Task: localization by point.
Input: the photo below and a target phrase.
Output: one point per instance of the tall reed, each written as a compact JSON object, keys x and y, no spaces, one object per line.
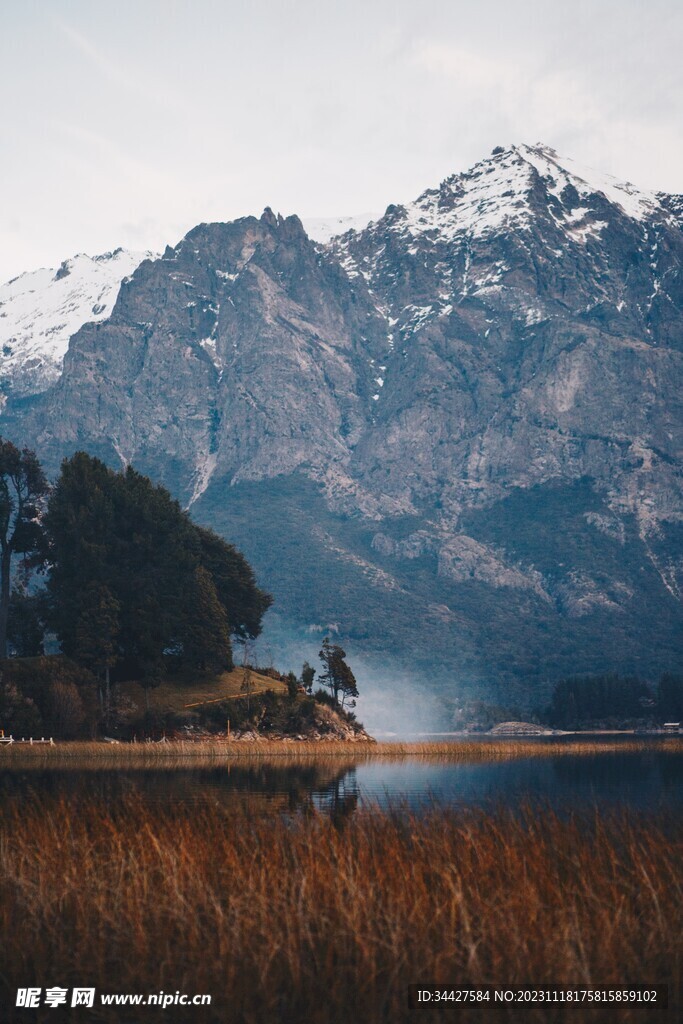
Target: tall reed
{"x":183,"y":753}
{"x":327,"y":921}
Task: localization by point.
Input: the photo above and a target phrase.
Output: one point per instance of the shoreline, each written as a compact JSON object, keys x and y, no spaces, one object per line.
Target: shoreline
{"x":175,"y":754}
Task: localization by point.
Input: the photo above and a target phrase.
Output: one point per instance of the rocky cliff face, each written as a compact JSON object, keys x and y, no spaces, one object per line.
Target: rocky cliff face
{"x":239,"y":354}
{"x":455,"y":434}
{"x":541,"y":317}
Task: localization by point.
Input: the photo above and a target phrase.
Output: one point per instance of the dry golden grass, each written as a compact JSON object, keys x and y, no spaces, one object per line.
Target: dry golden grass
{"x":184,"y":754}
{"x":176,"y":694}
{"x":310,"y":921}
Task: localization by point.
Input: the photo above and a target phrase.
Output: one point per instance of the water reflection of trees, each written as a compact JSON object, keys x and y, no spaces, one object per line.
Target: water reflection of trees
{"x":327,"y":787}
{"x":657,"y":770}
{"x":331,"y":786}
{"x":340,"y":798}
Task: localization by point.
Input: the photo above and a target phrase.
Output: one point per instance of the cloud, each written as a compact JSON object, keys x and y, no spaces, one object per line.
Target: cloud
{"x":133,"y":80}
{"x":519,"y":90}
{"x":588,"y":109}
{"x":117,"y":161}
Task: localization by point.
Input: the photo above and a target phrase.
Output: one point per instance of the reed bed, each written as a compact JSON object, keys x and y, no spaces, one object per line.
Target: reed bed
{"x":183,"y":754}
{"x":313,"y":920}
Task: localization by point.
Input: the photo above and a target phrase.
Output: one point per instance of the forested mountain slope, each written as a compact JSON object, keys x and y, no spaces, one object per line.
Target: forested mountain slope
{"x":455,"y":434}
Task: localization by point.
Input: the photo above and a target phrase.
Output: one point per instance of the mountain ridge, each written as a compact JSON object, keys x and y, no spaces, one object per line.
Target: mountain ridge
{"x":462,"y":421}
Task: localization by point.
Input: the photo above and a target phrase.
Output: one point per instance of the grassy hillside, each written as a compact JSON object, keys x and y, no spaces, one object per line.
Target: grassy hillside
{"x":187,"y":694}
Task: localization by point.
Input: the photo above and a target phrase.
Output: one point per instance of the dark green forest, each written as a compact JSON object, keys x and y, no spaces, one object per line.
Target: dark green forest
{"x":134,"y":585}
{"x":109,"y":570}
{"x":114,"y":584}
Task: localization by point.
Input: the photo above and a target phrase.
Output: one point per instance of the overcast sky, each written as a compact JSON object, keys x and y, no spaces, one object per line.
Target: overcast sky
{"x":125,"y":122}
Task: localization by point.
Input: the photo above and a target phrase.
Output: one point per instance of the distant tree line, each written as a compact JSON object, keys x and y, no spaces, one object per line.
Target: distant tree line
{"x":670,"y":697}
{"x":583,"y":699}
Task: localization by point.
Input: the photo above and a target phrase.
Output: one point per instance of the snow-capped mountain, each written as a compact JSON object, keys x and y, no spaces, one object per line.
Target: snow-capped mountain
{"x":463,"y":421}
{"x":499,"y":192}
{"x":540,"y":283}
{"x":525,"y":194}
{"x":41,"y":309}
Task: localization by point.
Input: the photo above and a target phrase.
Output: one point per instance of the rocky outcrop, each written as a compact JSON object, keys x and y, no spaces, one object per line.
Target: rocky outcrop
{"x":327,"y":725}
{"x":239,"y":354}
{"x":537,"y":334}
{"x":519,"y":729}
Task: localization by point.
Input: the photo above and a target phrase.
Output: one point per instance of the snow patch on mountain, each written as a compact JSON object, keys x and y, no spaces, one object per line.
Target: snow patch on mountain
{"x":484,"y":199}
{"x":205,"y":468}
{"x":322,"y":229}
{"x":587,"y":181}
{"x":42,"y":309}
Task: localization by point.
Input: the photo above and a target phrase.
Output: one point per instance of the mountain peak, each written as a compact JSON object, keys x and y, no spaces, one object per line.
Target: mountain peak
{"x":563,"y":171}
{"x":269,"y":218}
{"x":516,"y":184}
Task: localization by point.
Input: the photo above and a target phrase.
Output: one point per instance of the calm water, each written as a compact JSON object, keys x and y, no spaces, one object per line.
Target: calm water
{"x":650,"y":780}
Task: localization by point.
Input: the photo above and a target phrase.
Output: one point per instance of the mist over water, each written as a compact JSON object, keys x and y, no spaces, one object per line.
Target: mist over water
{"x":390,"y":702}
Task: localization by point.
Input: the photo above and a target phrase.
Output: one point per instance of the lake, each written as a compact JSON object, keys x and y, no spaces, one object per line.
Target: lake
{"x":650,"y":779}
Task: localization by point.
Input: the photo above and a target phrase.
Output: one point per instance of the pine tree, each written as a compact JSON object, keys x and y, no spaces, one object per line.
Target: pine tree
{"x":26,"y":621}
{"x":337,"y":677}
{"x":292,"y":685}
{"x":235,"y":584}
{"x":307,"y":677}
{"x":206,"y":632}
{"x":97,"y":632}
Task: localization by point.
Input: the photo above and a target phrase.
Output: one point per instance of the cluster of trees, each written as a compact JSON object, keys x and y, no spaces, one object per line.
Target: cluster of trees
{"x":134,"y":587}
{"x":583,"y":699}
{"x":336,"y":677}
{"x":670,"y":697}
{"x":48,"y":696}
{"x":109,"y":565}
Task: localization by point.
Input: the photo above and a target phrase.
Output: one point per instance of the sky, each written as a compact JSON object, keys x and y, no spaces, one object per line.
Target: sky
{"x":126,"y":122}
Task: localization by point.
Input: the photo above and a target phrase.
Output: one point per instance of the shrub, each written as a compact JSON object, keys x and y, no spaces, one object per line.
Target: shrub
{"x":62,"y":694}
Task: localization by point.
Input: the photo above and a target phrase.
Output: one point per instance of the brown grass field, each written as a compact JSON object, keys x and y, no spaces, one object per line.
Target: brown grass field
{"x":186,"y":754}
{"x":307,"y":920}
{"x":178,"y":694}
